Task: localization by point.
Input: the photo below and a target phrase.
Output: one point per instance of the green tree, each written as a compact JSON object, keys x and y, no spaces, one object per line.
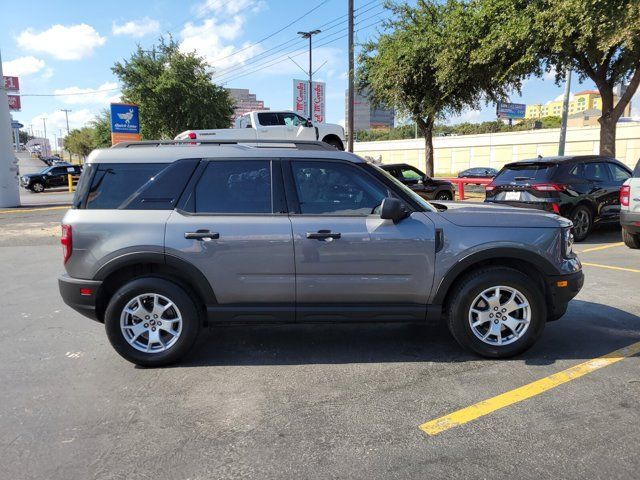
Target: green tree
{"x":174,"y":90}
{"x":597,"y":39}
{"x":80,"y":141}
{"x":101,"y":126}
{"x":419,"y":65}
{"x":24,"y":136}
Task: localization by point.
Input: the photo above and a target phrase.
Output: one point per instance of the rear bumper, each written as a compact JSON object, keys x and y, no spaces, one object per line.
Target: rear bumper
{"x":84,"y":303}
{"x":630,"y":221}
{"x":562,"y":288}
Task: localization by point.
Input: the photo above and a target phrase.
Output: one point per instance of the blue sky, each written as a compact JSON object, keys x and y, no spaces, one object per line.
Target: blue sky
{"x":67,"y":47}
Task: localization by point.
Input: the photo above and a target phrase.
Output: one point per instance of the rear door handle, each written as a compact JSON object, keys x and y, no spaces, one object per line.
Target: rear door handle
{"x":323,"y":235}
{"x":201,"y":235}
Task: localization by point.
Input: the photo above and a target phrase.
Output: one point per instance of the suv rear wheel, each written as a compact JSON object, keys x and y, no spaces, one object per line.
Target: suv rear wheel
{"x":497,"y":312}
{"x":582,"y":222}
{"x":152,"y":322}
{"x":630,"y":240}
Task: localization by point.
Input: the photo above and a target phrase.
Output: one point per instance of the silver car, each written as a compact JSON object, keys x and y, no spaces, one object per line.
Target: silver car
{"x":165,"y":238}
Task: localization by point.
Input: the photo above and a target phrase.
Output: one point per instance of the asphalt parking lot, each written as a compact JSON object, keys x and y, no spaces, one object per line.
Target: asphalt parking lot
{"x":331,"y":401}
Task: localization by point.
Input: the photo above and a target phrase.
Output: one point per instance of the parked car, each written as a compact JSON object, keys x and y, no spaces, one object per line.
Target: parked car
{"x":55,"y":176}
{"x":481,"y":172}
{"x":273,"y":125}
{"x":423,"y":185}
{"x":630,"y":209}
{"x":163,"y":241}
{"x":585,"y":189}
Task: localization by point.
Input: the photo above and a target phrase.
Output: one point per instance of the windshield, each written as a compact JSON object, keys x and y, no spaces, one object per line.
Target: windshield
{"x":414,"y":196}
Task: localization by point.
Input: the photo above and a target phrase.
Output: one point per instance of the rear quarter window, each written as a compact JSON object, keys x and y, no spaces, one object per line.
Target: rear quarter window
{"x":113,"y":183}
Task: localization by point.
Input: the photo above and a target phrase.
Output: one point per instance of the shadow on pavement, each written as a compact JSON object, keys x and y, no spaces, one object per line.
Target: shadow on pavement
{"x":588,"y":330}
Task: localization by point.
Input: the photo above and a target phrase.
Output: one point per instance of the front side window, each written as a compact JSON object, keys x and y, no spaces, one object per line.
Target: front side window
{"x":332,"y":188}
{"x":235,"y":186}
{"x":411,"y":174}
{"x":291,"y":120}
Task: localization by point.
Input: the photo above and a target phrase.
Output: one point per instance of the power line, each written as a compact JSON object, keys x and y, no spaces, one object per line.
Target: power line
{"x":224,"y":82}
{"x":265,"y":60}
{"x":68,"y":94}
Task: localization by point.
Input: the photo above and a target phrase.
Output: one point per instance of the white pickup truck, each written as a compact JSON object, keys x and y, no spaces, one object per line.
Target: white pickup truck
{"x":272,"y":125}
{"x":630,"y":209}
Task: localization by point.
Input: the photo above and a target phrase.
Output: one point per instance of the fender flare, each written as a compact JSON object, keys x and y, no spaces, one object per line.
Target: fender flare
{"x":542,"y":265}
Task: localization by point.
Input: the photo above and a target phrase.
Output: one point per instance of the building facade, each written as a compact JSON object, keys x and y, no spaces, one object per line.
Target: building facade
{"x":244,"y":102}
{"x":366,"y":116}
{"x":582,"y":101}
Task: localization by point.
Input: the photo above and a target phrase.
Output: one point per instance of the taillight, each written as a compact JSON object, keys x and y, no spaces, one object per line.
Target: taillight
{"x":490,"y":188}
{"x":625,"y":194}
{"x":192,"y":135}
{"x":548,"y":187}
{"x":66,"y":241}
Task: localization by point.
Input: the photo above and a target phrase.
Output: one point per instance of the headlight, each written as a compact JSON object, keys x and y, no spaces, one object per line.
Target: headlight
{"x":567,"y":242}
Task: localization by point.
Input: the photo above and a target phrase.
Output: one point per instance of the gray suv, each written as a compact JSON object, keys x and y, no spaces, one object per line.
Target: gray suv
{"x":165,"y":238}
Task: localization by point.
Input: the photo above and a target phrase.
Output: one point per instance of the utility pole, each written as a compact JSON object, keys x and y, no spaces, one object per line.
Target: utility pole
{"x":9,"y":193}
{"x":44,"y":122}
{"x":66,"y":115}
{"x":350,"y":95}
{"x":309,"y":35}
{"x":565,"y":113}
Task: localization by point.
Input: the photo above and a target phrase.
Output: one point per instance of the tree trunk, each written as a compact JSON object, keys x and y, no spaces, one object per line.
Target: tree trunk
{"x":426,"y":129}
{"x":608,"y":122}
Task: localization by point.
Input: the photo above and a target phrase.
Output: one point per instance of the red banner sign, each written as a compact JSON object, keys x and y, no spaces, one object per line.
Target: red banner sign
{"x":11,"y":84}
{"x":14,"y":102}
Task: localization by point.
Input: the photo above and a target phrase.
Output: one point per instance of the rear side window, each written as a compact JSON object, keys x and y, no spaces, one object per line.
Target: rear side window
{"x":113,"y":183}
{"x":595,"y":171}
{"x":268,"y":119}
{"x":526,"y":172}
{"x":235,"y":186}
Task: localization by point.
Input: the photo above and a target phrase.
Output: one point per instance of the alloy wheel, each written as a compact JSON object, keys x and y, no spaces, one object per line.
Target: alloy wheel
{"x":500,"y":315}
{"x":151,"y":323}
{"x":580,"y":223}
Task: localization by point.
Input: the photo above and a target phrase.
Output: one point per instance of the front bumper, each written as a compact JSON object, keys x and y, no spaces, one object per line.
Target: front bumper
{"x":630,"y":221}
{"x":75,"y":293}
{"x":561,"y":289}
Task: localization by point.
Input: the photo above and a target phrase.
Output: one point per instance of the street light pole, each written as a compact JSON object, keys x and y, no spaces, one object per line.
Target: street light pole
{"x":351,"y":100}
{"x":565,"y":114}
{"x":309,"y":35}
{"x":66,"y":115}
{"x":44,"y":122}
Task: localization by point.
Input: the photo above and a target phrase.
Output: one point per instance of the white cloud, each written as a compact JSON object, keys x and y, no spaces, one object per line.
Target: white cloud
{"x":550,"y":75}
{"x":48,"y":73}
{"x":136,"y":28}
{"x":220,"y":7}
{"x":64,"y":43}
{"x":560,"y":97}
{"x":22,"y":66}
{"x":56,"y":121}
{"x":470,"y":116}
{"x":213,"y":40}
{"x":103,"y":94}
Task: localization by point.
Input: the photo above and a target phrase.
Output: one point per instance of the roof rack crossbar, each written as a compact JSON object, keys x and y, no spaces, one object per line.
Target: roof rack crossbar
{"x":299,"y":144}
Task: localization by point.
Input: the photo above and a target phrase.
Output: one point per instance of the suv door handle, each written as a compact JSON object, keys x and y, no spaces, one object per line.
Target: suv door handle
{"x":323,"y":235}
{"x":201,"y":235}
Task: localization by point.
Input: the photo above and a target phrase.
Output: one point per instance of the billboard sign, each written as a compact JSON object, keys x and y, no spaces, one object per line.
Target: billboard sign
{"x":318,"y":98}
{"x":511,"y":110}
{"x":14,"y":103}
{"x":125,"y":123}
{"x":11,"y":84}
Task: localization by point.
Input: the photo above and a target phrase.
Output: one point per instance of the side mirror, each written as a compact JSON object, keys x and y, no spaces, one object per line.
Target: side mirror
{"x":308,"y":123}
{"x":393,"y":209}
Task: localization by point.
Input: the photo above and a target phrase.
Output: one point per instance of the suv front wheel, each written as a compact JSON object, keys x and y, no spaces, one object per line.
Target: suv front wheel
{"x":497,"y":312}
{"x":152,"y":322}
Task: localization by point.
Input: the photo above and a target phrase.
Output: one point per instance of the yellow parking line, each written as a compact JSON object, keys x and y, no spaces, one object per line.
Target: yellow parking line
{"x":623,"y":269}
{"x":27,"y":210}
{"x":602,"y":247}
{"x":485,"y":407}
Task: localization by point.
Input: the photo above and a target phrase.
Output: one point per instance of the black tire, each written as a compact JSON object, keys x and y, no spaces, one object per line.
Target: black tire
{"x":191,"y":321}
{"x":37,"y":187}
{"x":444,"y":196}
{"x":582,"y":219}
{"x":471,"y":286}
{"x":631,"y":240}
{"x":335,"y":143}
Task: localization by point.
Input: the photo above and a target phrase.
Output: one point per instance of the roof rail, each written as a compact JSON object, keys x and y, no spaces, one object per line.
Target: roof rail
{"x":297,"y":144}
